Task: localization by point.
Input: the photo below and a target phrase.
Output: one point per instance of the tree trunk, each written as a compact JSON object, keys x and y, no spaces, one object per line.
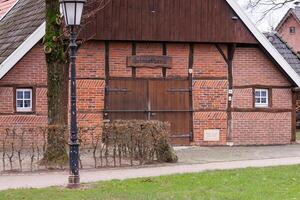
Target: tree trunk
{"x":55,"y":50}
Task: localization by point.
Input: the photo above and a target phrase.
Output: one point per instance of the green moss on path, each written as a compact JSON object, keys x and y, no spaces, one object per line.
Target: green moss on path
{"x":253,"y":183}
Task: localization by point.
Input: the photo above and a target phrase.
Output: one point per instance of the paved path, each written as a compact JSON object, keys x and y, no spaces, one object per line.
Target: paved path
{"x":59,"y":179}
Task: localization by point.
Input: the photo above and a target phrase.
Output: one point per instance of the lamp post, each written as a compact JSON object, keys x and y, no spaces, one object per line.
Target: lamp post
{"x":72,"y":11}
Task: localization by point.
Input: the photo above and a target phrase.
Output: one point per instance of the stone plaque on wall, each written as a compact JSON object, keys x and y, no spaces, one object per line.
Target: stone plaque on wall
{"x":211,"y":135}
{"x":149,"y":61}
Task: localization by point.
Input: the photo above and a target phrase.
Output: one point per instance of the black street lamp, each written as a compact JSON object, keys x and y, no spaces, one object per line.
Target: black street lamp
{"x":72,"y":11}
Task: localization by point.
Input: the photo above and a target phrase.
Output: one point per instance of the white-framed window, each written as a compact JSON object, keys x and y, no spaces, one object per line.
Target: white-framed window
{"x":261,"y":98}
{"x":24,"y":100}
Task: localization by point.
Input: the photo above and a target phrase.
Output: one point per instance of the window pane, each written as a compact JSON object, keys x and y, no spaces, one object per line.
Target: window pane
{"x":27,"y":95}
{"x":263,"y":93}
{"x":20,"y":95}
{"x":27,"y":103}
{"x":263,"y":100}
{"x":257,"y":100}
{"x":257,"y":93}
{"x":20,"y":104}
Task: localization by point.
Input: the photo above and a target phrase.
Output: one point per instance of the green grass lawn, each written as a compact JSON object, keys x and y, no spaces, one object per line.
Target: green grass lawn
{"x":262,"y":184}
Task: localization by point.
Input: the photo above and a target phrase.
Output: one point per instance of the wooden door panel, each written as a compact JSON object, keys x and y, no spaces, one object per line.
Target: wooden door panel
{"x":127,"y":95}
{"x":169,"y":101}
{"x":169,"y":95}
{"x":127,"y":99}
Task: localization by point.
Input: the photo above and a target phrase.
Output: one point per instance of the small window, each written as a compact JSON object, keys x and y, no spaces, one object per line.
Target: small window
{"x":292,"y":30}
{"x":24,"y":100}
{"x":261,"y":98}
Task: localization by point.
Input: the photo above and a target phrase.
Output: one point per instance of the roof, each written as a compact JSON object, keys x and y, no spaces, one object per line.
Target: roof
{"x":287,"y":52}
{"x":295,"y":12}
{"x":20,"y":30}
{"x":24,"y":26}
{"x":5,"y":5}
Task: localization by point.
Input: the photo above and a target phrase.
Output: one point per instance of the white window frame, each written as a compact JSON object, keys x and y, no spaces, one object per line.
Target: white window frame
{"x":23,"y":109}
{"x":260,"y":104}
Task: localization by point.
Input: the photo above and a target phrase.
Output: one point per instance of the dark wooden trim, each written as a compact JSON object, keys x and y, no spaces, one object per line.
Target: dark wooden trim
{"x":190,"y":76}
{"x":262,"y":86}
{"x":21,"y":86}
{"x":204,"y":78}
{"x":230,"y":55}
{"x":89,"y":78}
{"x":210,"y":110}
{"x":148,"y":78}
{"x":266,"y":110}
{"x":107,"y":76}
{"x":107,"y":70}
{"x":33,"y":88}
{"x":294,"y":119}
{"x":133,"y":53}
{"x":164,"y":53}
{"x":222,"y":53}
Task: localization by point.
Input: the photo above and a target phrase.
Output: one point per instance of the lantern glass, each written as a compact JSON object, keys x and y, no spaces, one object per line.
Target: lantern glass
{"x":72,"y":11}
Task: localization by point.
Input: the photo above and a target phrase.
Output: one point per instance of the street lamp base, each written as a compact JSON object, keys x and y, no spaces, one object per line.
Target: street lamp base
{"x":74,"y":182}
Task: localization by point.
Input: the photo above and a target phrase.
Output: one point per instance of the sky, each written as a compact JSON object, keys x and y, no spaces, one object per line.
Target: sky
{"x":271,"y":20}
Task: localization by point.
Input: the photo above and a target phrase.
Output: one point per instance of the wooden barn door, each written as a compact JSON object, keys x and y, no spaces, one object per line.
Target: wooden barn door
{"x":164,"y":100}
{"x":126,"y":99}
{"x":170,"y":102}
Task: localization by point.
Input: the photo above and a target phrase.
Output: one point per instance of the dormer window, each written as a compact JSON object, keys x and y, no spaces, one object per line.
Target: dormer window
{"x":292,"y":30}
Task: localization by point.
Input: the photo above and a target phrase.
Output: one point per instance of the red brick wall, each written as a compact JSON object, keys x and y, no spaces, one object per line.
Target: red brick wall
{"x":242,"y":98}
{"x":208,"y":62}
{"x":291,"y":39}
{"x":91,"y":84}
{"x":209,"y":120}
{"x":180,"y":57}
{"x":251,"y":68}
{"x":210,"y":94}
{"x":259,"y":128}
{"x":31,"y":71}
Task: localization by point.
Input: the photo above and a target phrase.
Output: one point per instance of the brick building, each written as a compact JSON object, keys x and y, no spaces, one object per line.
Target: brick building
{"x":218,"y":80}
{"x":289,"y":28}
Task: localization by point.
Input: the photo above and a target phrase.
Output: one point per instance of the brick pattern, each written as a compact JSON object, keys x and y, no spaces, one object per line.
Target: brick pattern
{"x":209,"y":120}
{"x":118,"y":53}
{"x":210,"y":95}
{"x":6,"y":99}
{"x":291,"y":39}
{"x":282,"y":98}
{"x":149,"y":49}
{"x":242,"y":98}
{"x":208,"y":62}
{"x":260,"y":128}
{"x":91,"y":60}
{"x":41,"y":101}
{"x":90,"y":95}
{"x":251,"y":66}
{"x":180,"y":56}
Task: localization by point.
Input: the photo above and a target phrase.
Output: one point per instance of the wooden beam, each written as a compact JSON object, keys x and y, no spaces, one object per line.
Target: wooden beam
{"x":230,"y":55}
{"x":133,"y":53}
{"x":164,"y":53}
{"x":107,"y":77}
{"x":190,"y":76}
